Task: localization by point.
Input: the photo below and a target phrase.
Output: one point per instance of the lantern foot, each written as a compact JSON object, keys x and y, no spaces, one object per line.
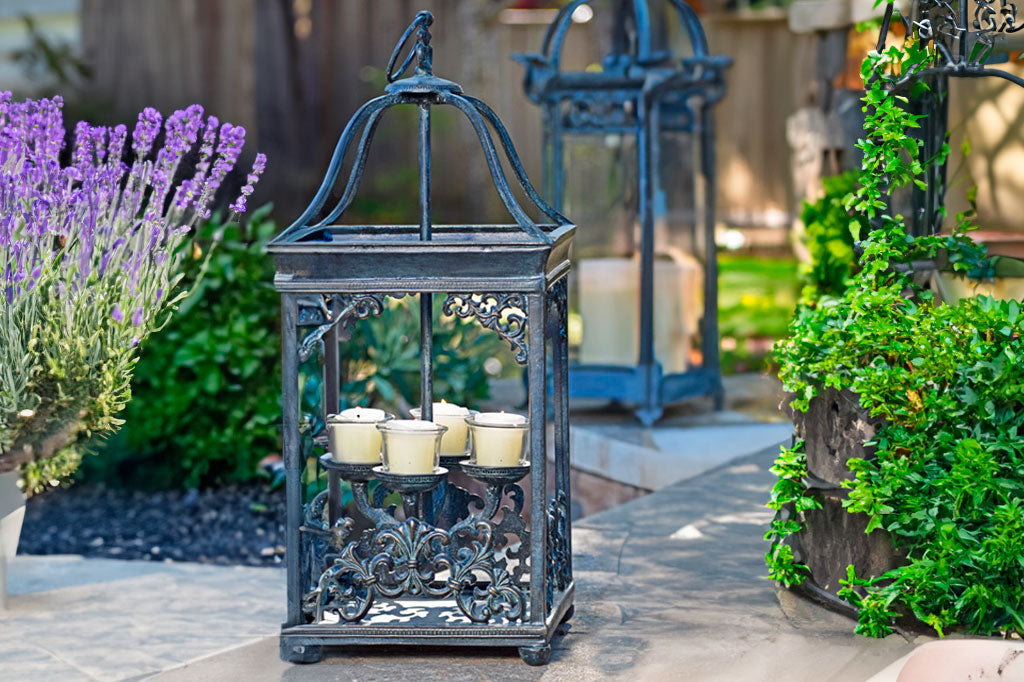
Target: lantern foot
{"x":649,"y":415}
{"x":535,"y":655}
{"x":300,"y":653}
{"x":563,"y":626}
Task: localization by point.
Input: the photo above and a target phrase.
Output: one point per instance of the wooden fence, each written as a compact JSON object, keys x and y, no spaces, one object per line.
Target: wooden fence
{"x":293,"y":71}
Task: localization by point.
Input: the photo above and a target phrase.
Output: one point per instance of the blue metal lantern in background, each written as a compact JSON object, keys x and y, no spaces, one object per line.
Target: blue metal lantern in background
{"x":621,"y":143}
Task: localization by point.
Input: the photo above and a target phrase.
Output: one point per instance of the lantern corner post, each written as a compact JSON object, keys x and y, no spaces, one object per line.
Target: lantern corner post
{"x":537,"y":369}
{"x":711,"y":360}
{"x":291,"y":451}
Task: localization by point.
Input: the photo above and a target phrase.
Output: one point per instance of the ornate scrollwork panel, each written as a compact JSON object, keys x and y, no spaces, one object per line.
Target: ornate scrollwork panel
{"x":409,"y":558}
{"x":559,"y":562}
{"x":940,"y":22}
{"x":504,"y":314}
{"x":996,"y":17}
{"x":599,"y":110}
{"x":320,"y":537}
{"x":512,"y":525}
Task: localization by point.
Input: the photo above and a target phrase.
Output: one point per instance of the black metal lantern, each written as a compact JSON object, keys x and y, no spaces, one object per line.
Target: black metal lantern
{"x":449,"y":567}
{"x":970,"y":38}
{"x":655,"y":109}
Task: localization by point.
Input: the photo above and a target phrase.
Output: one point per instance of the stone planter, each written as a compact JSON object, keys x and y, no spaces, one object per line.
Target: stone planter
{"x":834,"y":430}
{"x":12,"y":514}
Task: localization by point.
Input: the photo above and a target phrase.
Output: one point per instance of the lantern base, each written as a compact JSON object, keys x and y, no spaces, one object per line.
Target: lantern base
{"x":432,"y":627}
{"x":292,"y":652}
{"x":535,"y":655}
{"x":644,"y":386}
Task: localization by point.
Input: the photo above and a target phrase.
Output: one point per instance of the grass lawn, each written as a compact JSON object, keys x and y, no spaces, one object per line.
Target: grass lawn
{"x":756,"y":297}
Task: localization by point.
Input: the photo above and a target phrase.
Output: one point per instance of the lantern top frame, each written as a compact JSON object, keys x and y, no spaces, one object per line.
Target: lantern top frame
{"x":947,"y":25}
{"x":319,"y":253}
{"x":634,"y":67}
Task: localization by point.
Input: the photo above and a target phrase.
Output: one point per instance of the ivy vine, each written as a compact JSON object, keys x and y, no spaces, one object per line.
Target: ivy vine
{"x":944,"y":382}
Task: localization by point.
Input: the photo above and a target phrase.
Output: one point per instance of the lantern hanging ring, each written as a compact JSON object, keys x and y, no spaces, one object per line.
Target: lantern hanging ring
{"x":423,"y":52}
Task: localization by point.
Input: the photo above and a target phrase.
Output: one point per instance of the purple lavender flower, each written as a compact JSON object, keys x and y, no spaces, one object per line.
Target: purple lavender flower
{"x":97,"y":232}
{"x":116,"y":145}
{"x":258,"y":166}
{"x":146,"y":131}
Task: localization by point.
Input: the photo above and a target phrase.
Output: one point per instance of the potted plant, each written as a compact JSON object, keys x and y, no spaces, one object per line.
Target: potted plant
{"x":91,"y":256}
{"x":907,"y":455}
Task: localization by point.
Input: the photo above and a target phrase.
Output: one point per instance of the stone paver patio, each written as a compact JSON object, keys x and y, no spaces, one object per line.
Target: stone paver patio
{"x":669,"y":586}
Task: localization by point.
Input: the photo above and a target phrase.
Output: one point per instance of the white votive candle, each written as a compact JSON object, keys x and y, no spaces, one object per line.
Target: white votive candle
{"x":411,"y":446}
{"x":454,"y":417}
{"x":353,"y":436}
{"x":498,"y":438}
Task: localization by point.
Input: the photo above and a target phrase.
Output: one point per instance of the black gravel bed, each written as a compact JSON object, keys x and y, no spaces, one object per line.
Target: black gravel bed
{"x":231,"y":525}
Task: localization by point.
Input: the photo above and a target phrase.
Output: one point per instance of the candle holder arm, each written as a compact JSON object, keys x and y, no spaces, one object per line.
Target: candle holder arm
{"x":381,"y":517}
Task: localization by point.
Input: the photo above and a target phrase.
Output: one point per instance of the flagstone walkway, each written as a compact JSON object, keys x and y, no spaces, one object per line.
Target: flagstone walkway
{"x":669,"y":586}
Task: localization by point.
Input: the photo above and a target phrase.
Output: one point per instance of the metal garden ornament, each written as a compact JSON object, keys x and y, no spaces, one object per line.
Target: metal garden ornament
{"x":450,"y":566}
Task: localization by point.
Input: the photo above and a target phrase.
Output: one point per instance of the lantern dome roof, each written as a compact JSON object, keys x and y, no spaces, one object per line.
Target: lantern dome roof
{"x":317,"y":247}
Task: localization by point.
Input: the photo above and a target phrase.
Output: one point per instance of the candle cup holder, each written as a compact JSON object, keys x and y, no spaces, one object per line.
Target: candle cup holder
{"x":498,"y":440}
{"x":455,"y":441}
{"x":353,"y":438}
{"x":354,"y":472}
{"x":411,"y":447}
{"x":498,"y":476}
{"x":410,"y":483}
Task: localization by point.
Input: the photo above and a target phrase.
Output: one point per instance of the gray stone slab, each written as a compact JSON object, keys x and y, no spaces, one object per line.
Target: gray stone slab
{"x":657,"y":457}
{"x":115,"y":620}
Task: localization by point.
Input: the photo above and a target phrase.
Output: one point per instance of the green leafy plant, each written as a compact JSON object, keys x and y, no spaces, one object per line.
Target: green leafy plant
{"x":789,"y":498}
{"x":945,"y":384}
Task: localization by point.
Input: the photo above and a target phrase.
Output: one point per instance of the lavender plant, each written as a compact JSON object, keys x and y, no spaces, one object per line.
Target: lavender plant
{"x":91,"y":259}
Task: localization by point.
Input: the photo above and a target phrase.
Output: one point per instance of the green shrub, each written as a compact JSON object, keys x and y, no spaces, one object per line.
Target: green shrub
{"x":205,"y":403}
{"x":829,"y":239}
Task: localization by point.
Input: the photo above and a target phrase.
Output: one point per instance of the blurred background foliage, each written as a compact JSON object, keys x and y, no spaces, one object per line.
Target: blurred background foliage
{"x":829,"y":239}
{"x":757,"y":295}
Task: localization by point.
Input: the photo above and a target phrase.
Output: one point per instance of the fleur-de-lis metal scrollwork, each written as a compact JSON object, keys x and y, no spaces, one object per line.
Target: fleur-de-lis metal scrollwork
{"x":505,"y":314}
{"x":478,"y":599}
{"x":409,"y":557}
